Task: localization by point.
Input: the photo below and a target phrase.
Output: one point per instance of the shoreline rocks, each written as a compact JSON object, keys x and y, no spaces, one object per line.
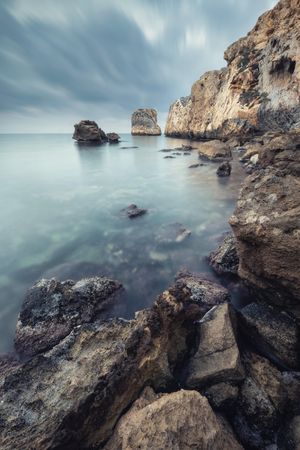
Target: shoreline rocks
{"x":113,"y":138}
{"x":214,"y":151}
{"x":144,"y":123}
{"x":88,"y":132}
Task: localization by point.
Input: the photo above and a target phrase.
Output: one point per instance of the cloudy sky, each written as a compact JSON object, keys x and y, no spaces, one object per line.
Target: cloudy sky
{"x":66,"y":60}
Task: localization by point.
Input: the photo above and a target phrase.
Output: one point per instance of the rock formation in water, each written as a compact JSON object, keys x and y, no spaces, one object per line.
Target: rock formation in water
{"x":113,"y":138}
{"x":88,"y":132}
{"x":144,"y":123}
{"x":257,"y":91}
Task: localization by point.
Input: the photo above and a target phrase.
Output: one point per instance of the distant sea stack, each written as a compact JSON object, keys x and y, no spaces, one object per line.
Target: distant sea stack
{"x":87,"y":131}
{"x":144,"y":123}
{"x":259,"y":90}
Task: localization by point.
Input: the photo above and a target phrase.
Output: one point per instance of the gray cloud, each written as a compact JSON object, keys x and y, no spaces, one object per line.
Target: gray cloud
{"x":63,"y":61}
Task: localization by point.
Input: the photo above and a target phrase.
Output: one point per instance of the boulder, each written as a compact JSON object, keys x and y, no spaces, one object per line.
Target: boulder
{"x":180,"y":420}
{"x":52,"y":309}
{"x":87,"y":131}
{"x":113,"y":138}
{"x":275,"y":333}
{"x":225,"y":259}
{"x":144,"y":123}
{"x":224,"y":169}
{"x":214,"y":151}
{"x":222,"y":396}
{"x":217,"y":358}
{"x":132,"y":211}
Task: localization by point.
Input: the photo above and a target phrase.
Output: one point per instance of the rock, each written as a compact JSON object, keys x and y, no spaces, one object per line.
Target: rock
{"x":266,"y":226}
{"x":144,"y":123}
{"x":132,"y":211}
{"x":132,"y":146}
{"x":214,"y":151}
{"x":72,"y":396}
{"x":225,"y":260}
{"x":290,"y":385}
{"x":224,"y":169}
{"x":186,"y":147}
{"x":166,"y":150}
{"x":169,"y":157}
{"x":257,"y":91}
{"x":289,"y":439}
{"x":251,"y":149}
{"x":176,"y":153}
{"x":180,"y":420}
{"x":275,"y":333}
{"x":233,"y":142}
{"x":222,"y":396}
{"x":187,"y":154}
{"x":172,"y":233}
{"x":52,"y":309}
{"x":193,"y":166}
{"x":87,"y":131}
{"x":113,"y":138}
{"x":217,"y":358}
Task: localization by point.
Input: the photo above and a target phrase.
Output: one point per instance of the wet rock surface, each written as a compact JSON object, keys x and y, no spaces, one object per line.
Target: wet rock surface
{"x":225,"y":259}
{"x":224,"y":169}
{"x":87,"y":131}
{"x":132,"y":211}
{"x":144,"y":123}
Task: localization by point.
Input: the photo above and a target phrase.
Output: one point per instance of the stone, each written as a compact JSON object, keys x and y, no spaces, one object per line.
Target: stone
{"x":222,"y":396}
{"x":172,"y":233}
{"x":144,"y":123}
{"x":214,"y":151}
{"x":251,"y":149}
{"x":129,"y":147}
{"x":217,"y":358}
{"x":257,"y":91}
{"x":193,"y":166}
{"x":187,"y":147}
{"x":225,"y":260}
{"x":275,"y":333}
{"x":180,"y":420}
{"x":224,"y":169}
{"x":169,"y":157}
{"x":113,"y":138}
{"x":132,"y":211}
{"x":289,"y":438}
{"x":87,"y":131}
{"x":52,"y":309}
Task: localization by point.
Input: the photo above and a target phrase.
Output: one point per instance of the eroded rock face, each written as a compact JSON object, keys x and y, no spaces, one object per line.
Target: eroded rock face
{"x":215,"y":151}
{"x":259,"y":89}
{"x":180,"y":420}
{"x":225,"y":260}
{"x":144,"y":123}
{"x":87,"y":131}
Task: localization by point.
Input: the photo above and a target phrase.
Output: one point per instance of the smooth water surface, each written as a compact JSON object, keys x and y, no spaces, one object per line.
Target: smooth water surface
{"x":60,"y":215}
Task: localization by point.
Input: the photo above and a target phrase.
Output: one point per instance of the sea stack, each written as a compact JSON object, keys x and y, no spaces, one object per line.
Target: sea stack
{"x":88,"y":132}
{"x":144,"y":123}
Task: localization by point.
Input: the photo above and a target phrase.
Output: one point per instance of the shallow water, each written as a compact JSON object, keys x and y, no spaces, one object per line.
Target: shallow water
{"x":60,"y":215}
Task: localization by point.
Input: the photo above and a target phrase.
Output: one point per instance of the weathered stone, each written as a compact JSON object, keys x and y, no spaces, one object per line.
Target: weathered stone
{"x":113,"y":138}
{"x":225,"y":260}
{"x":222,"y":395}
{"x":52,"y":309}
{"x":132,"y":211}
{"x":214,"y":151}
{"x":224,"y":169}
{"x":180,"y":420}
{"x":275,"y":333}
{"x":144,"y":123}
{"x":289,"y":438}
{"x":87,"y":131}
{"x":172,"y":233}
{"x":217,"y":358}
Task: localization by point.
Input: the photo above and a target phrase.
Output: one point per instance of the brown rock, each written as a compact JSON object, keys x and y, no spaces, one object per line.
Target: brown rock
{"x":144,"y":123}
{"x":87,"y":131}
{"x":215,"y":151}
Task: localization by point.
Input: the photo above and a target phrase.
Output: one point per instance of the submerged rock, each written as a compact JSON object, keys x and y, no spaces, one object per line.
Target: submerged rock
{"x":180,"y":420}
{"x":113,"y":138}
{"x":214,"y":151}
{"x":169,"y":157}
{"x":172,"y":233}
{"x":225,"y":259}
{"x":224,"y":170}
{"x":52,"y":309}
{"x":87,"y":131}
{"x":144,"y":123}
{"x":193,"y":166}
{"x":132,"y":211}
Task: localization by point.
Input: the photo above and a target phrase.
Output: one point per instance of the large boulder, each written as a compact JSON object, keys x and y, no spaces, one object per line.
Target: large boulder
{"x":88,"y":132}
{"x":217,"y":358}
{"x":181,"y":420}
{"x":144,"y":123}
{"x":52,"y":309}
{"x":214,"y":151}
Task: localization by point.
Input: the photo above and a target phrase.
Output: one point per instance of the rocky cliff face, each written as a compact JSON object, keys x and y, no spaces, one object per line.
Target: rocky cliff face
{"x":257,"y":91}
{"x":144,"y":123}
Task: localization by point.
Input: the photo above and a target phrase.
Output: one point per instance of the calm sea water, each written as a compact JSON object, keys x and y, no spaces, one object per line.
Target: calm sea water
{"x":60,"y":215}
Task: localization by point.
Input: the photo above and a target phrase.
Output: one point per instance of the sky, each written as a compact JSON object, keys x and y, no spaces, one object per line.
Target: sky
{"x":66,"y":60}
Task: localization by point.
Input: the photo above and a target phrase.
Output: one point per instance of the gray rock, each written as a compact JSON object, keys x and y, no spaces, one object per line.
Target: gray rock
{"x":224,"y":169}
{"x":225,"y":260}
{"x":113,"y":138}
{"x":222,"y":396}
{"x":87,"y":131}
{"x":132,"y":211}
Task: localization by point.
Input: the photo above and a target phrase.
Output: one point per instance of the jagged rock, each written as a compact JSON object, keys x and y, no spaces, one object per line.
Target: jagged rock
{"x":289,"y":438}
{"x":217,"y":358}
{"x":172,"y":233}
{"x":87,"y":131}
{"x":215,"y":151}
{"x":224,"y":169}
{"x":222,"y":395}
{"x":225,"y":260}
{"x":144,"y":123}
{"x":132,"y":211}
{"x":250,"y":150}
{"x":180,"y":420}
{"x":257,"y":91}
{"x":71,"y":396}
{"x":52,"y":309}
{"x":266,"y":226}
{"x":113,"y":138}
{"x":275,"y":333}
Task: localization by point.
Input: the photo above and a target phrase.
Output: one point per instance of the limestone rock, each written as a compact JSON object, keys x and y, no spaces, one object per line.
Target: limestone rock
{"x":215,"y":151}
{"x":144,"y":123}
{"x":217,"y":358}
{"x":87,"y":131}
{"x":113,"y":138}
{"x":52,"y":309}
{"x":180,"y":420}
{"x":225,"y":260}
{"x":275,"y":333}
{"x":224,"y":169}
{"x":258,"y":90}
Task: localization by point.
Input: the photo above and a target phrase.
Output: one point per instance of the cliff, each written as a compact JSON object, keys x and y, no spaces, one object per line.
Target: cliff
{"x":259,"y":89}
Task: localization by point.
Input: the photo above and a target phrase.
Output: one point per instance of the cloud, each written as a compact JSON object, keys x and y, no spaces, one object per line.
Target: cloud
{"x":63,"y":61}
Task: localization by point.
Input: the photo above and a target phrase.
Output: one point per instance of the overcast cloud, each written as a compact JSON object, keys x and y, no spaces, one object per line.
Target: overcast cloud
{"x":66,"y":60}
